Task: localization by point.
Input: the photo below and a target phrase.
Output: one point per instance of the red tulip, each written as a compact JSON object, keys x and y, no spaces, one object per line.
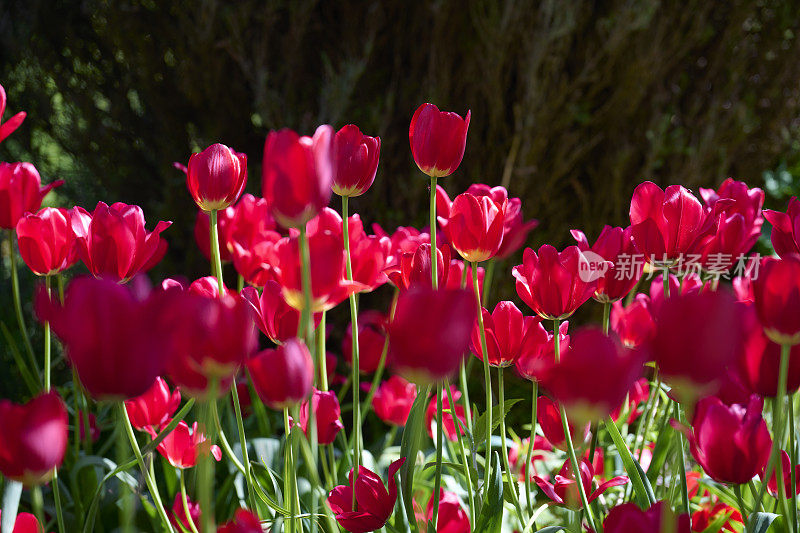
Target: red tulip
{"x":178,"y":515}
{"x":689,"y":285}
{"x":182,"y":446}
{"x":594,"y":374}
{"x":34,"y":438}
{"x":356,"y":161}
{"x":438,"y":140}
{"x":216,"y":177}
{"x":448,"y":423}
{"x":25,"y":522}
{"x":202,"y":232}
{"x":564,"y":491}
{"x":738,"y":212}
{"x":273,"y":316}
{"x":251,"y":239}
{"x":112,"y":241}
{"x":743,"y":289}
{"x":549,"y":418}
{"x":732,"y":444}
{"x":786,"y":469}
{"x":46,"y":241}
{"x":371,"y":340}
{"x":414,"y":268}
{"x":475,"y":226}
{"x":507,"y":333}
{"x":777,"y":298}
{"x":760,"y":361}
{"x":297,"y":174}
{"x":615,"y":246}
{"x":155,"y":407}
{"x":9,"y":126}
{"x":537,"y":353}
{"x":455,"y":274}
{"x":403,"y":240}
{"x":244,"y":521}
{"x":703,"y":518}
{"x":785,"y":228}
{"x":629,"y":518}
{"x":519,"y":452}
{"x":327,"y":416}
{"x":283,"y":377}
{"x":634,"y":324}
{"x":430,"y":332}
{"x":393,"y":400}
{"x":551,"y":282}
{"x":451,"y":517}
{"x":374,"y":504}
{"x":21,"y":191}
{"x":665,"y":224}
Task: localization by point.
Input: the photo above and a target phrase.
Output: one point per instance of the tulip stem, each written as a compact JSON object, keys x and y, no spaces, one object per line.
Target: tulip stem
{"x":527,"y":468}
{"x":682,"y":469}
{"x":151,"y":484}
{"x":434,"y":260}
{"x":18,"y":303}
{"x":216,"y":262}
{"x":243,"y":443}
{"x":288,"y":488}
{"x":462,"y":370}
{"x":376,"y":379}
{"x":205,"y":466}
{"x":437,"y":483}
{"x":576,"y":468}
{"x":737,"y":490}
{"x":322,"y":352}
{"x":793,"y":461}
{"x":463,"y":449}
{"x":512,"y":484}
{"x":487,"y":377}
{"x":487,"y":282}
{"x":47,"y":341}
{"x":185,"y":502}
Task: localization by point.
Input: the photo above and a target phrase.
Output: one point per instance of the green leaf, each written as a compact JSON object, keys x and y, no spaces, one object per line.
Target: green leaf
{"x":642,"y":490}
{"x":661,"y":452}
{"x":760,"y":522}
{"x":265,"y":485}
{"x":552,"y":529}
{"x":409,"y":446}
{"x":491,"y":518}
{"x":480,"y":424}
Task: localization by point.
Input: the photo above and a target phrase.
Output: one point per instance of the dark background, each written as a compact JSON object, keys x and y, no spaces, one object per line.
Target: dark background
{"x":573,"y":103}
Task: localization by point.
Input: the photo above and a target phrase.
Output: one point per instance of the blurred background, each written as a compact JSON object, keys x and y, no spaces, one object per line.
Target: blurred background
{"x":573,"y":103}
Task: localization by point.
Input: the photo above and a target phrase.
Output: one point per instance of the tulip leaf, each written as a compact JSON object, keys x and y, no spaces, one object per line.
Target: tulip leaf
{"x":642,"y":489}
{"x":661,"y":451}
{"x":491,"y":516}
{"x":264,"y":484}
{"x":760,"y":522}
{"x":551,"y":529}
{"x":409,"y":447}
{"x":479,"y":429}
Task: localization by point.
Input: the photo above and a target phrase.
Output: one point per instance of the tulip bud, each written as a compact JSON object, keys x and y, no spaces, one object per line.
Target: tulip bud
{"x":777,"y":298}
{"x":448,"y":422}
{"x":615,"y":245}
{"x":46,"y":241}
{"x":282,"y":377}
{"x":371,"y":339}
{"x":327,"y":416}
{"x":628,"y":517}
{"x":244,"y":521}
{"x":216,"y":177}
{"x":438,"y":140}
{"x":356,"y":161}
{"x":506,"y":331}
{"x":21,"y":192}
{"x":155,"y":407}
{"x":393,"y":400}
{"x":451,"y":517}
{"x":475,"y":226}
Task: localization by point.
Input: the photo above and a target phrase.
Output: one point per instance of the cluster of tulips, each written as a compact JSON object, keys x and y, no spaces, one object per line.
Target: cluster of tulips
{"x":169,"y":379}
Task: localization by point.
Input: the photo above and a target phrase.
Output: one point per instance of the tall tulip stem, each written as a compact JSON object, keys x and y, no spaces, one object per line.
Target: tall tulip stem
{"x":437,"y":483}
{"x":576,"y":468}
{"x":464,"y":458}
{"x":529,"y":454}
{"x":793,"y":461}
{"x":487,"y":376}
{"x":289,"y":476}
{"x":216,"y":260}
{"x":185,"y":502}
{"x":778,"y":431}
{"x":205,"y":466}
{"x":512,"y":484}
{"x":434,"y":261}
{"x":47,"y":341}
{"x":18,"y":303}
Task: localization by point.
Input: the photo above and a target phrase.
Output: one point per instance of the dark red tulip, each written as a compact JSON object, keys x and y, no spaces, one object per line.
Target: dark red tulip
{"x":689,"y":285}
{"x":506,"y":333}
{"x":34,"y":438}
{"x":594,"y":374}
{"x":785,"y":228}
{"x":327,"y":416}
{"x":21,"y":192}
{"x":26,"y":522}
{"x":46,"y":241}
{"x":760,"y":361}
{"x":537,"y":353}
{"x":703,"y":518}
{"x":374,"y":504}
{"x":297,"y":174}
{"x":430,"y":332}
{"x":216,"y":177}
{"x":251,"y":239}
{"x":629,"y":518}
{"x":548,"y":417}
{"x":356,"y":161}
{"x":155,"y":407}
{"x":393,"y":400}
{"x":273,"y":316}
{"x":183,"y":446}
{"x":403,"y":240}
{"x":112,"y":242}
{"x":732,"y":444}
{"x":551,"y":282}
{"x":786,"y":469}
{"x":777,"y":298}
{"x":244,"y":521}
{"x":564,"y":491}
{"x":438,"y":139}
{"x":614,"y":245}
{"x":414,"y":268}
{"x":9,"y":126}
{"x":202,"y":232}
{"x":371,"y":340}
{"x":475,"y":226}
{"x":448,"y":423}
{"x":634,"y":323}
{"x":283,"y":377}
{"x":177,"y":514}
{"x":697,"y":336}
{"x":451,"y":518}
{"x":665,"y":223}
{"x":455,"y":274}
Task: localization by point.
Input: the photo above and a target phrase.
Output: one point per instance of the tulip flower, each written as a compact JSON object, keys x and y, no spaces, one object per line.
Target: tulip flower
{"x":629,"y":518}
{"x":178,"y":515}
{"x":34,"y":438}
{"x":594,"y":374}
{"x":732,"y":444}
{"x":564,"y":491}
{"x":743,"y":289}
{"x":703,"y":518}
{"x":216,"y":177}
{"x":244,"y":521}
{"x":251,"y":239}
{"x":327,"y":416}
{"x":356,"y":161}
{"x":614,"y":245}
{"x":183,"y":446}
{"x":475,"y":226}
{"x":772,"y":486}
{"x":374,"y":504}
{"x":274,"y":317}
{"x":451,"y":517}
{"x":549,"y":419}
{"x":371,"y":340}
{"x":202,"y":232}
{"x":21,"y":191}
{"x":785,"y":235}
{"x":430,"y":332}
{"x":537,"y":352}
{"x":551,"y":283}
{"x":777,"y":298}
{"x":403,"y":240}
{"x":46,"y":242}
{"x":297,"y":174}
{"x":448,"y":422}
{"x":25,"y":522}
{"x":517,"y":455}
{"x":634,"y":324}
{"x":414,"y":268}
{"x":282,"y":377}
{"x":112,"y":242}
{"x":760,"y":361}
{"x":689,"y":285}
{"x":438,"y":139}
{"x":9,"y":126}
{"x":507,"y":334}
{"x":393,"y":400}
{"x":155,"y":407}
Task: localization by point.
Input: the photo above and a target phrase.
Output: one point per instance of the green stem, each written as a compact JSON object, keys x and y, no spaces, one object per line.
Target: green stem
{"x":216,"y":263}
{"x":223,"y":440}
{"x":243,"y":443}
{"x":306,"y":326}
{"x":37,"y":503}
{"x":464,"y":458}
{"x":438,"y":474}
{"x":434,"y":260}
{"x":487,"y":282}
{"x":57,"y":499}
{"x":793,"y":461}
{"x":682,"y":469}
{"x":487,"y":377}
{"x":47,"y":342}
{"x":288,"y":489}
{"x":18,"y":304}
{"x":205,"y":466}
{"x":529,"y":454}
{"x":512,"y":484}
{"x":322,"y":352}
{"x":737,"y":490}
{"x":185,"y":502}
{"x":376,"y":379}
{"x":665,"y":282}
